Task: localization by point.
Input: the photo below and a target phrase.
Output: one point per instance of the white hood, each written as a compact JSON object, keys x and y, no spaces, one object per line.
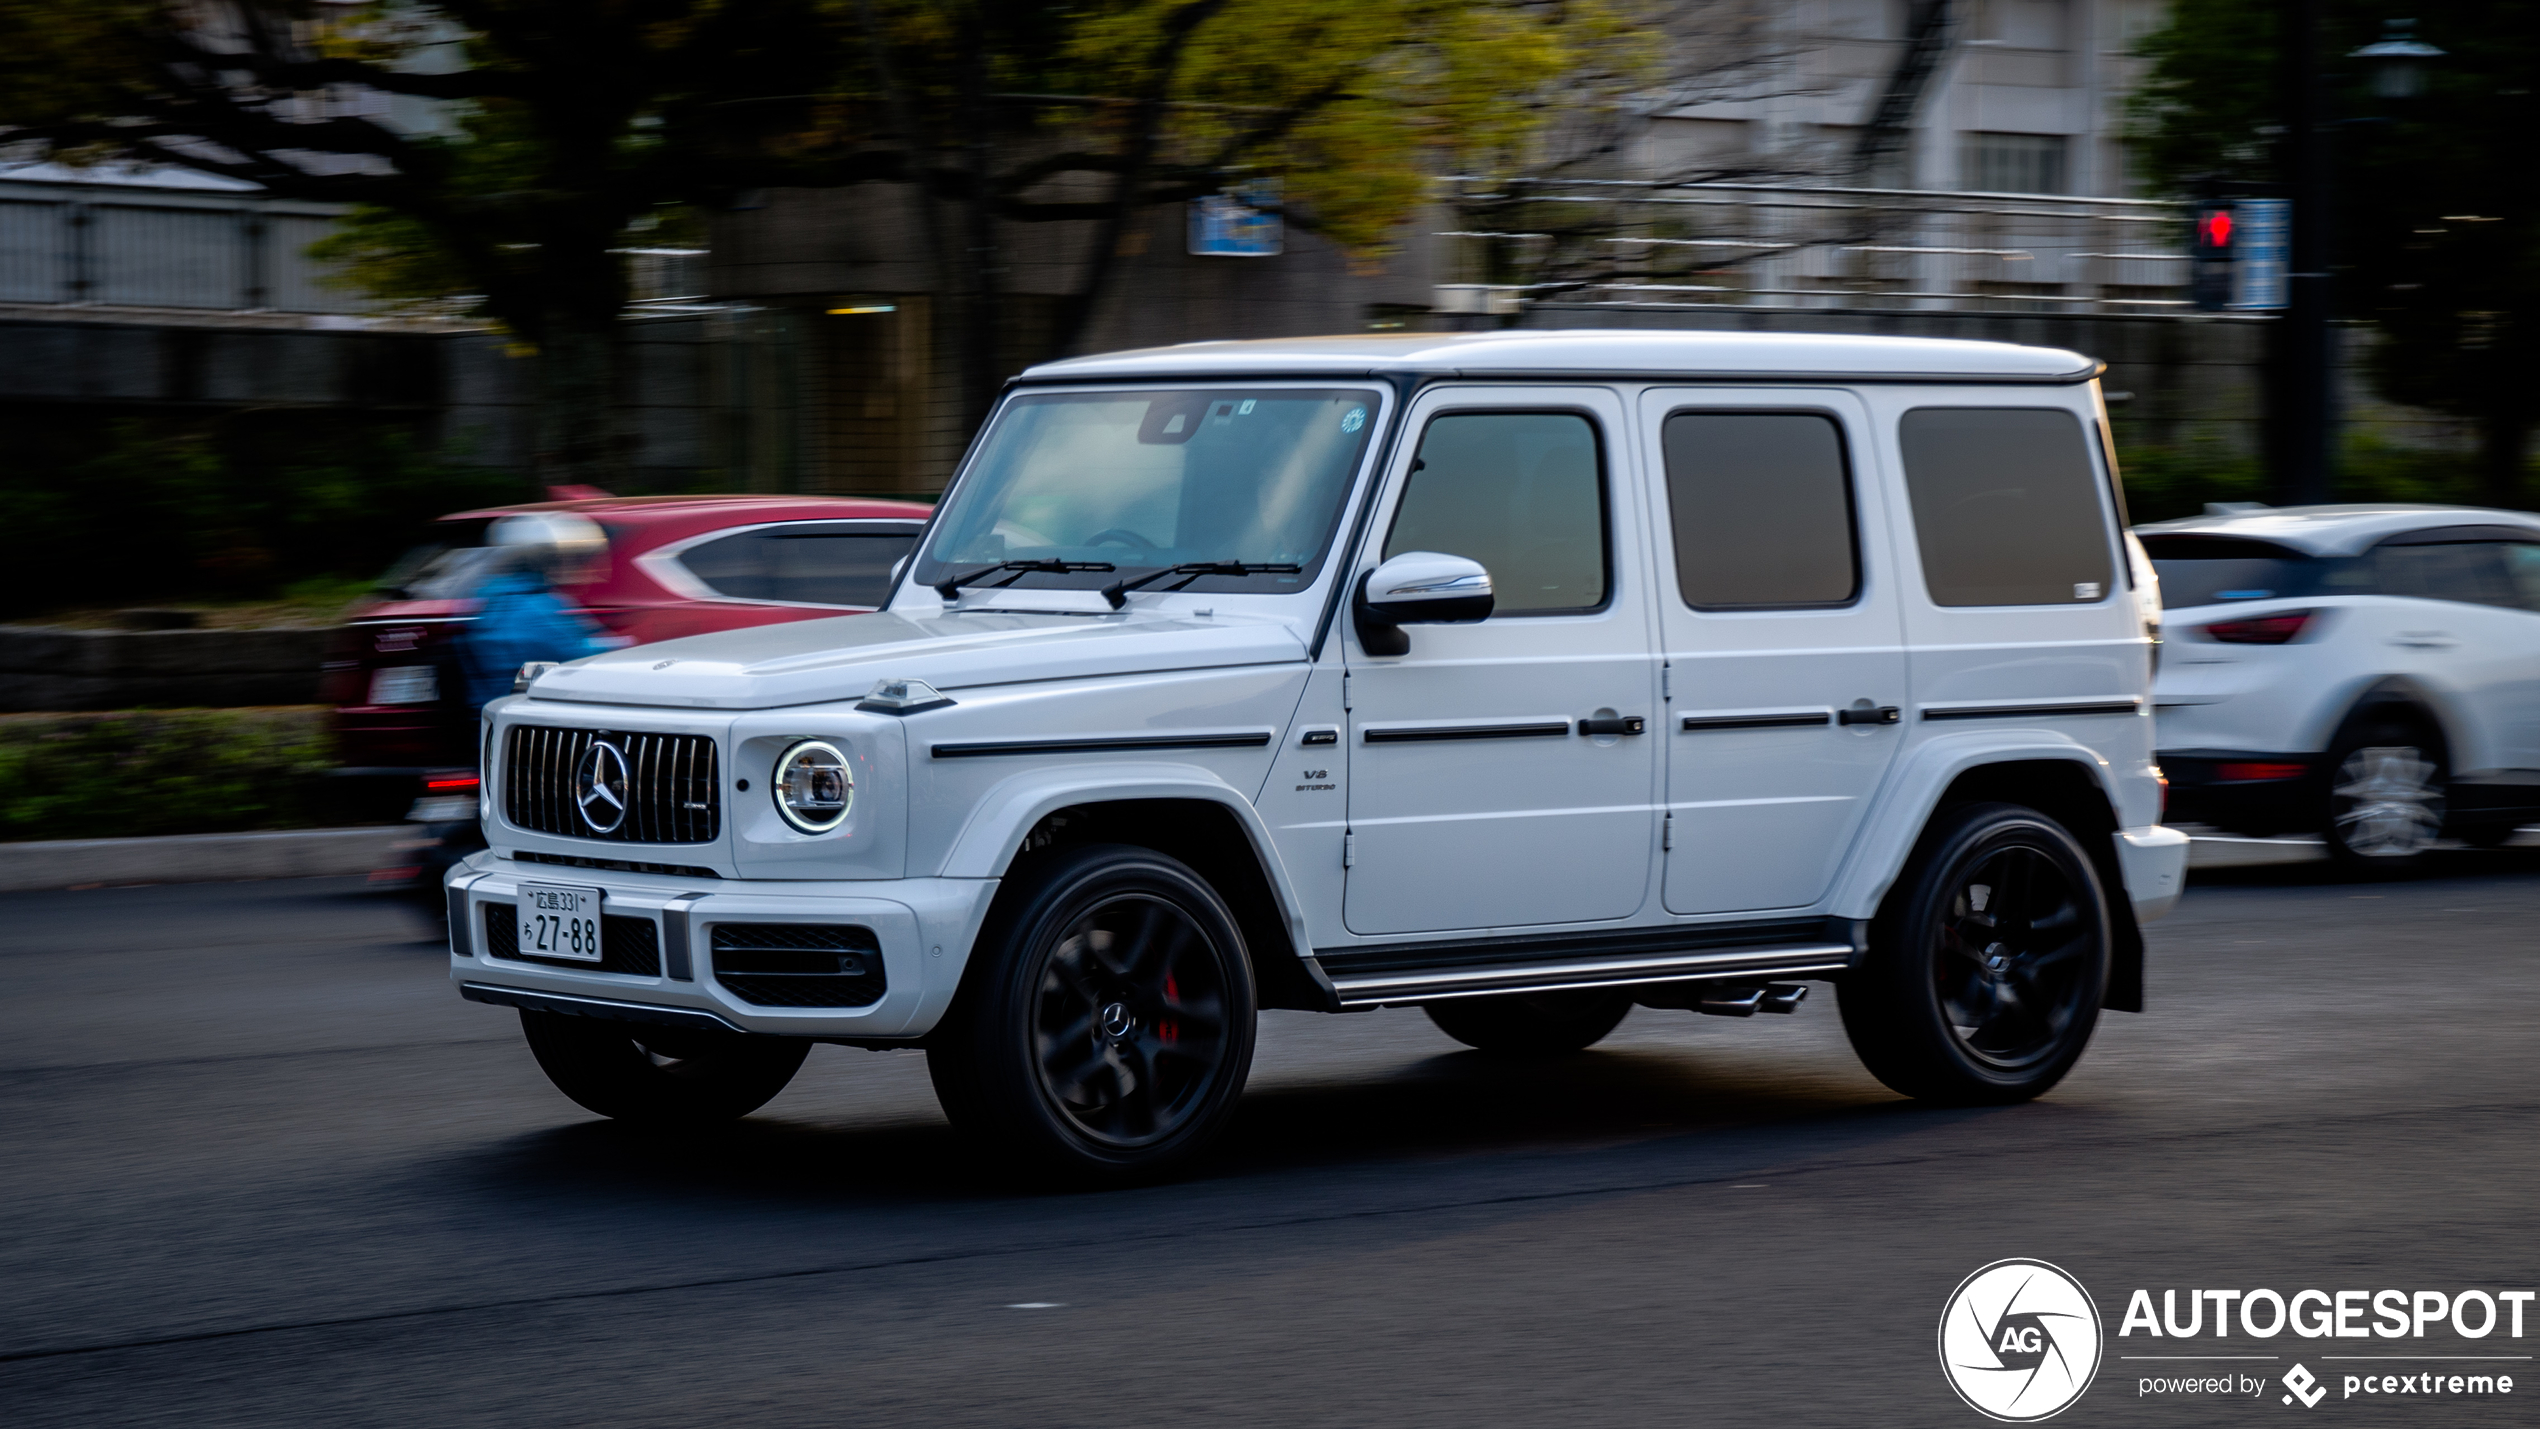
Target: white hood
{"x":807,"y":662}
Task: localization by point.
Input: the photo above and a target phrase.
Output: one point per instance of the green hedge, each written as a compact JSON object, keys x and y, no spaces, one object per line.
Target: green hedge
{"x":130,"y":773}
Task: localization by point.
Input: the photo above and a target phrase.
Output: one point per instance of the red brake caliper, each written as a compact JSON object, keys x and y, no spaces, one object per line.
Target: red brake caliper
{"x":1166,"y":1030}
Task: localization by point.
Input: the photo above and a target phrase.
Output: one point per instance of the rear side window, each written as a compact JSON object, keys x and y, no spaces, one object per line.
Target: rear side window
{"x":803,"y":563}
{"x":2006,"y":506}
{"x":2214,"y":570}
{"x":2474,"y":572}
{"x":1761,"y":506}
{"x":1521,"y":492}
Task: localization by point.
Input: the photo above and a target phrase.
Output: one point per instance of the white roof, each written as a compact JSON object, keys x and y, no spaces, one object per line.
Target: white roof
{"x":2336,"y":530}
{"x":1599,"y":351}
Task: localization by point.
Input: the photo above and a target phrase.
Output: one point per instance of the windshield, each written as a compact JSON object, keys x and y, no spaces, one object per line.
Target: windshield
{"x":1139,"y":481}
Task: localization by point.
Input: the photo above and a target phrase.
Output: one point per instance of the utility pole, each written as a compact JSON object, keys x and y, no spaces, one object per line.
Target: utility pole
{"x":2305,"y":411}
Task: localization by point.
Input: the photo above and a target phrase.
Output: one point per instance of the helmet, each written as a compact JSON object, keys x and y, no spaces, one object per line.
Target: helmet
{"x":557,"y":544}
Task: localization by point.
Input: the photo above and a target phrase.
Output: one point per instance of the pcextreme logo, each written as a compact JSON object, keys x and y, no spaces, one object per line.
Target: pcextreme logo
{"x":2020,"y":1340}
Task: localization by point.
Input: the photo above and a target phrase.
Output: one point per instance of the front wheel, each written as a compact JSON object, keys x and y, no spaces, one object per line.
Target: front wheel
{"x":1987,"y":966}
{"x":661,"y":1076}
{"x":1108,"y":1029}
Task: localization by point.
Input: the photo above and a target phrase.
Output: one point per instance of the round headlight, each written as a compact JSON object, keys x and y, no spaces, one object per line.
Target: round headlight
{"x":812,"y":786}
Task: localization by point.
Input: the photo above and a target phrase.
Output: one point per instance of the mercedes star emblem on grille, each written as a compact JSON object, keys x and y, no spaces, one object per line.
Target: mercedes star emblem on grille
{"x":599,"y":786}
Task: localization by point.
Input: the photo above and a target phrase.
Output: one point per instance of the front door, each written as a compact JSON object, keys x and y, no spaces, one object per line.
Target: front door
{"x":1784,"y":645}
{"x":1475,"y":801}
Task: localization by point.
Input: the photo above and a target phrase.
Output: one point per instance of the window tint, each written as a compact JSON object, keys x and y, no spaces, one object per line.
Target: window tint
{"x":2211,"y":570}
{"x":2471,"y":571}
{"x":2522,"y":562}
{"x":1520,"y":492}
{"x":2006,"y":508}
{"x":804,"y":562}
{"x":1761,"y":503}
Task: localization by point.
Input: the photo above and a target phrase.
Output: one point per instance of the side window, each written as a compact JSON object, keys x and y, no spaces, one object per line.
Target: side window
{"x":810,"y":566}
{"x":1761,"y":505}
{"x":1521,"y":492}
{"x":2006,"y":508}
{"x":2473,"y":572}
{"x":2522,"y":562}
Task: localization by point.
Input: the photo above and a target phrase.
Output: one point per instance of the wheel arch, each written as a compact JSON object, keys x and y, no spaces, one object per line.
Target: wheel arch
{"x":1185,"y":813}
{"x":2399,"y":697}
{"x":2067,"y":781}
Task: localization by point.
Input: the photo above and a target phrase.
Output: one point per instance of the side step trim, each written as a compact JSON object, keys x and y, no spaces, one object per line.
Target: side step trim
{"x":1373,"y":989}
{"x":593,"y":1007}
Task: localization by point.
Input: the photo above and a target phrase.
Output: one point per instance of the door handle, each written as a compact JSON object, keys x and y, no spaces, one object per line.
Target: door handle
{"x":1863,"y":712}
{"x":1619,"y":724}
{"x":2424,"y":639}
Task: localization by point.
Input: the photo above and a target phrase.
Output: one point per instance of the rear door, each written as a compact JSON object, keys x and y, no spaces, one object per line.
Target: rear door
{"x":1783,"y":646}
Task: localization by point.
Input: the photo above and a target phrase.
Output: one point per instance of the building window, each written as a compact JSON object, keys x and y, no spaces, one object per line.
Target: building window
{"x":2014,"y":163}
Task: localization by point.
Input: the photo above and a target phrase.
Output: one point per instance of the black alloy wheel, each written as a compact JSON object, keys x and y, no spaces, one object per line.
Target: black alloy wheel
{"x":1109,"y":1029}
{"x":661,"y":1076}
{"x":1987,"y":968}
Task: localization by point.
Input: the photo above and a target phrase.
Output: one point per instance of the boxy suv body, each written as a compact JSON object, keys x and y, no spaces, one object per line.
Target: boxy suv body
{"x":1524,"y":677}
{"x":2369,"y":673}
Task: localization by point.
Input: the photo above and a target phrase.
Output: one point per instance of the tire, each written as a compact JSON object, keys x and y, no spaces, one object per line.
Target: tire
{"x":1532,"y":1024}
{"x":1105,"y":1028}
{"x":661,"y":1076}
{"x":2383,"y":808}
{"x":1988,"y":963}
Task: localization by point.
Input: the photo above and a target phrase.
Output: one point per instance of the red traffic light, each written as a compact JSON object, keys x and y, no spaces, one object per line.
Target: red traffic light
{"x":2213,"y":228}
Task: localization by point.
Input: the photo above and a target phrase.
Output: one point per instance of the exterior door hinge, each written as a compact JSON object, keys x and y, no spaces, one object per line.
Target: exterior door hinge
{"x":1345,"y":704}
{"x":1667,"y":833}
{"x":1666,"y":682}
{"x":1349,"y":849}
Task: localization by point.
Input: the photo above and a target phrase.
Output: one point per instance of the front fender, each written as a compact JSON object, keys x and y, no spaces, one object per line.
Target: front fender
{"x":993,"y":835}
{"x":1914,"y":792}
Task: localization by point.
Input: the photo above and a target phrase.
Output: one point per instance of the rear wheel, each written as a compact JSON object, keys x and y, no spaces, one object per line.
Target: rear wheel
{"x":1109,"y":1028}
{"x":2385,"y":799}
{"x":661,"y":1076}
{"x":1532,"y":1023}
{"x":1987,"y":967}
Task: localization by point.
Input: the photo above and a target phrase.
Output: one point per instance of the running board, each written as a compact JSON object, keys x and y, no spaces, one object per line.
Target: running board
{"x":1377,"y":977}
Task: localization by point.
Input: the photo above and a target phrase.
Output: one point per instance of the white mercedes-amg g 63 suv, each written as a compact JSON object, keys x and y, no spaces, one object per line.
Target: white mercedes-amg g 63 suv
{"x":1522,"y":676}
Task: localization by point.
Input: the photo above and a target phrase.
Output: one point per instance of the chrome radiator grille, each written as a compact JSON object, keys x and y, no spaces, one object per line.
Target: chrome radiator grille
{"x":624,"y":788}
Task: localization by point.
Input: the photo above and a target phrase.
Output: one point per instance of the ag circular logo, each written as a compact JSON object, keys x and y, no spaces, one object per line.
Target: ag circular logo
{"x":2019,"y":1340}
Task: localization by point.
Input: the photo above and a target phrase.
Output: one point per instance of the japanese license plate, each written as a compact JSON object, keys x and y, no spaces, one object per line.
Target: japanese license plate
{"x":557,"y":921}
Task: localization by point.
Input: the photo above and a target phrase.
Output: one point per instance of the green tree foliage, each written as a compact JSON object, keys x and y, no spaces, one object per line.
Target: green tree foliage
{"x":2438,"y":231}
{"x":562,"y":126}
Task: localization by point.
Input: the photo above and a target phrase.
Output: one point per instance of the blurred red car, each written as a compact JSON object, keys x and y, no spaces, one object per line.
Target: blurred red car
{"x":676,"y":565}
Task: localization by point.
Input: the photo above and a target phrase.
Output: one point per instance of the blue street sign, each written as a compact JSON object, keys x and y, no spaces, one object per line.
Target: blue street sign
{"x":1240,"y":223}
{"x":2264,"y":244}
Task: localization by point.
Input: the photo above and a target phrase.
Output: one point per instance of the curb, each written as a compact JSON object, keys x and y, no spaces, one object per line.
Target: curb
{"x":197,"y":858}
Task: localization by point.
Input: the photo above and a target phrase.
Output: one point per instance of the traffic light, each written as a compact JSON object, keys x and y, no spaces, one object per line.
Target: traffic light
{"x":2216,"y":250}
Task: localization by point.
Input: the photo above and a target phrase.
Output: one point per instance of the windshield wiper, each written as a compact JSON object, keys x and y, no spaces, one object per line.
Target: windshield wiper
{"x":1118,"y":591}
{"x":951,"y":588}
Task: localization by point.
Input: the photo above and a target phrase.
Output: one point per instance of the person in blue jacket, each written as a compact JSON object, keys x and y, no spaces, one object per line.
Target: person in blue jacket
{"x":520,"y":617}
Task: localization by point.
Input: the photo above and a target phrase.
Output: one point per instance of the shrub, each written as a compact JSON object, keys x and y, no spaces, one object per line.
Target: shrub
{"x":131,"y":773}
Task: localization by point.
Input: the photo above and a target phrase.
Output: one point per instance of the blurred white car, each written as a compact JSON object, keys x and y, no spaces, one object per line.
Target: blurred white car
{"x":2368,"y":673}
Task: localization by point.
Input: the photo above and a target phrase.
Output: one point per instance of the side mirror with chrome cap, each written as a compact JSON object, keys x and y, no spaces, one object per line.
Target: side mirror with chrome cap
{"x":1418,"y":588}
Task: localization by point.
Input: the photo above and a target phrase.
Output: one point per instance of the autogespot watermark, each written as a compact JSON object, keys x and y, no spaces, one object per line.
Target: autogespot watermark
{"x":2021,"y":1340}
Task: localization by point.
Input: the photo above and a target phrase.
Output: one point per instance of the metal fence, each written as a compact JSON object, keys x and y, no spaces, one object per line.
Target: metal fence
{"x":1635,"y":244}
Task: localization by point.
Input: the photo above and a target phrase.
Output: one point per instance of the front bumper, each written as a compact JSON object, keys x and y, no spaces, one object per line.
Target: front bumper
{"x":2154,"y":863}
{"x":923,"y":926}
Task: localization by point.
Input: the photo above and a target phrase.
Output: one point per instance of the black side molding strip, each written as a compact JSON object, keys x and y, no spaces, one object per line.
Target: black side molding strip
{"x":593,"y":1007}
{"x":1249,"y":740}
{"x":2093,"y":707}
{"x":1793,"y":720}
{"x":1554,"y":729}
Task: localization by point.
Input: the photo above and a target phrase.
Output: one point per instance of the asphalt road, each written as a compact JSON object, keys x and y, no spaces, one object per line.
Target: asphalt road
{"x":260,"y":1166}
